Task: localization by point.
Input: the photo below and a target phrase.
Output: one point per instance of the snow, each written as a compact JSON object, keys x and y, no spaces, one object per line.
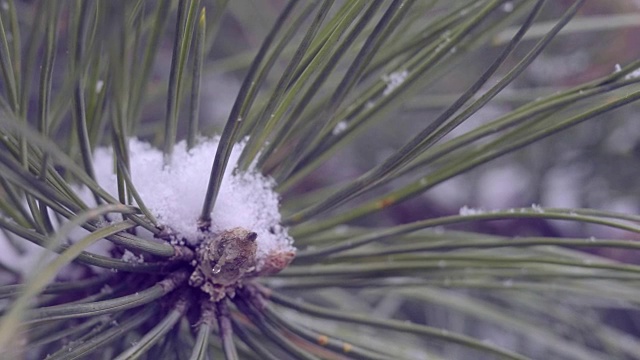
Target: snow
{"x":537,"y":208}
{"x":340,"y":127}
{"x":174,"y":193}
{"x":99,"y":86}
{"x":468,"y":211}
{"x":394,"y":80}
{"x":128,"y":256}
{"x":632,"y":75}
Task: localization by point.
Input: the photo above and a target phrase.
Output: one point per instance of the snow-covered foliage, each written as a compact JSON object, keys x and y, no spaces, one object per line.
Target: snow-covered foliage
{"x":174,"y":192}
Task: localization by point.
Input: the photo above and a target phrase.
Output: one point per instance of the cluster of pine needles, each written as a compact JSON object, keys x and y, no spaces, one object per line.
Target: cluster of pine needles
{"x":78,"y":75}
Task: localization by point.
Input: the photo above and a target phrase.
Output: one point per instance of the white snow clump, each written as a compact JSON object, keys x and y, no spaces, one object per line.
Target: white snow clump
{"x":394,"y":80}
{"x":174,"y":193}
{"x":469,"y":211}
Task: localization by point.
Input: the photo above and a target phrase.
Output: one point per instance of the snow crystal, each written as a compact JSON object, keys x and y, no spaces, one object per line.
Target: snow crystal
{"x":128,"y":256}
{"x":340,"y":127}
{"x":99,"y":86}
{"x":394,"y":80}
{"x":537,"y":208}
{"x":617,"y":68}
{"x":467,"y":211}
{"x":507,"y":7}
{"x":632,"y":75}
{"x":174,"y":193}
